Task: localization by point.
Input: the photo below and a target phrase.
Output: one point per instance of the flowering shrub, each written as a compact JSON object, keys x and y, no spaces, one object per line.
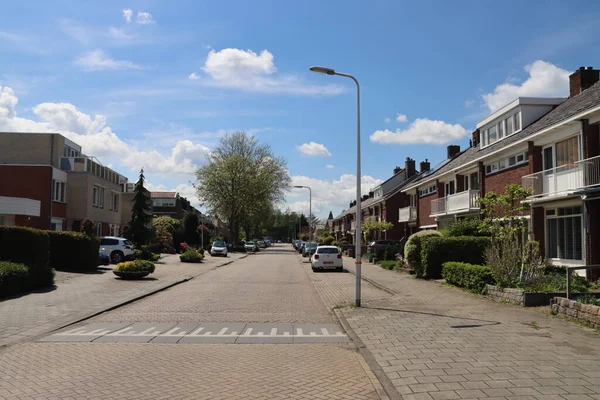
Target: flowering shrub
{"x":184,"y":247}
{"x":401,"y":262}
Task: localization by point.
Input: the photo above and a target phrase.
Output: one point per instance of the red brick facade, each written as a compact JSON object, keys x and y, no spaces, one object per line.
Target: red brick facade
{"x":424,"y":210}
{"x":497,"y":182}
{"x":30,"y":182}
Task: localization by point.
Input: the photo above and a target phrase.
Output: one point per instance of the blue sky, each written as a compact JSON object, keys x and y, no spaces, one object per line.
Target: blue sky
{"x":153,"y":84}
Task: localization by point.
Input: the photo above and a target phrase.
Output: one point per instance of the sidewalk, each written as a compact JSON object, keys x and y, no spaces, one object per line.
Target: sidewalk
{"x":79,"y":296}
{"x":436,"y":342}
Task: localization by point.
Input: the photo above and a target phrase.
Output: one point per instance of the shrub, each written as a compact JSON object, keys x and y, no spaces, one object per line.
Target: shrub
{"x":87,"y":227}
{"x":587,"y":299}
{"x":437,"y":250}
{"x":412,"y":248}
{"x":32,"y":248}
{"x":387,"y":264}
{"x":469,"y":276}
{"x":145,"y":253}
{"x":328,"y":241}
{"x":191,"y":256}
{"x":14,"y":278}
{"x":554,"y":283}
{"x":201,"y":251}
{"x":135,"y":266}
{"x":465,"y":227}
{"x":73,"y":251}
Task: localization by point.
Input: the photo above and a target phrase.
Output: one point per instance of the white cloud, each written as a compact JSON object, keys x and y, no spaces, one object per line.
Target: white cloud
{"x":193,"y":76}
{"x":119,"y":34}
{"x":98,"y":139}
{"x":401,"y":118}
{"x":97,"y":60}
{"x":247,"y":70}
{"x":328,"y":195}
{"x":545,"y":80}
{"x":144,"y":18}
{"x":387,"y":120}
{"x":330,"y":166}
{"x":127,"y":13}
{"x":76,"y":31}
{"x":313,"y":149}
{"x":421,"y":130}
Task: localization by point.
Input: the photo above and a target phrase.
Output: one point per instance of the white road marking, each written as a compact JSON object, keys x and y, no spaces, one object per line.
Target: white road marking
{"x":171,"y":332}
{"x":248,"y":332}
{"x":196,"y":332}
{"x":273,"y":331}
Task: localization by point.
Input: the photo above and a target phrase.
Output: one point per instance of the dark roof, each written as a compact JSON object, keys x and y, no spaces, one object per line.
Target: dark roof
{"x":586,"y":100}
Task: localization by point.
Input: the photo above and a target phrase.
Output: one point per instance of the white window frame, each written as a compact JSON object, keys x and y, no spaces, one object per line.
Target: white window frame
{"x":413,"y":200}
{"x":427,"y":191}
{"x":503,"y":163}
{"x":556,"y":216}
{"x":553,"y":147}
{"x":96,"y":196}
{"x":502,"y":125}
{"x":98,"y":229}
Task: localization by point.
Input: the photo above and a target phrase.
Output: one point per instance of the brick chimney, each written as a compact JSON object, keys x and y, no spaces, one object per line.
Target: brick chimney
{"x":424,"y":165}
{"x":409,"y":166}
{"x":453,"y":150}
{"x":582,"y":79}
{"x":365,"y":197}
{"x":476,"y":137}
{"x":397,"y":169}
{"x":371,"y":194}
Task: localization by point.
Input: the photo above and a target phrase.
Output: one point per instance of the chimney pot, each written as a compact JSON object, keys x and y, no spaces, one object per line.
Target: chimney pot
{"x":453,"y":150}
{"x":590,"y":68}
{"x":409,"y":167}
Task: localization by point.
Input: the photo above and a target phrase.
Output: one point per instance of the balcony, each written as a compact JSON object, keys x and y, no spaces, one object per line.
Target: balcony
{"x":77,"y":164}
{"x":564,"y":180}
{"x":407,"y":214}
{"x":455,"y":203}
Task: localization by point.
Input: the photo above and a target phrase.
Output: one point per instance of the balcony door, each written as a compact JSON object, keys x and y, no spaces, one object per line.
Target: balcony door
{"x":450,"y":188}
{"x":561,"y":171}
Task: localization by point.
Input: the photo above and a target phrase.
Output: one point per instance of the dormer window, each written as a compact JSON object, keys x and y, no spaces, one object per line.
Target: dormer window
{"x":501,"y":129}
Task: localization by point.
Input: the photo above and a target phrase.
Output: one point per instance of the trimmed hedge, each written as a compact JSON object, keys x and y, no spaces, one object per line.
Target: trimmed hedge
{"x":191,"y":256}
{"x":30,"y":247}
{"x":14,"y":278}
{"x":437,"y":250}
{"x":135,"y":266}
{"x":465,"y":227}
{"x":73,"y":251}
{"x":469,"y":276}
{"x":412,"y":248}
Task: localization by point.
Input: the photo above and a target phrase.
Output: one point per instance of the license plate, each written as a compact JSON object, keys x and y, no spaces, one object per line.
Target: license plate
{"x":328,"y":262}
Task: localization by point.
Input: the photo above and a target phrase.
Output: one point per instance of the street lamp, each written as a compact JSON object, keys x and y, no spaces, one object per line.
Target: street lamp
{"x":309,"y":214}
{"x":357,"y":255}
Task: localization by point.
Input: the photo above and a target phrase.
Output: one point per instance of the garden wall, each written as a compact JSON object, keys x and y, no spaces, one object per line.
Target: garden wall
{"x":526,"y":299}
{"x":586,"y":313}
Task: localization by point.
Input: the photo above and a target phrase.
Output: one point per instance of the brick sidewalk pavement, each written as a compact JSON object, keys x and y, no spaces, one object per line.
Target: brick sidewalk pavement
{"x":79,"y":297}
{"x":438,"y":342}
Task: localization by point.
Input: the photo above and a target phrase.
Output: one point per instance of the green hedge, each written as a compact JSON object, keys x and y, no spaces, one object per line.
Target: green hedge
{"x":73,"y":251}
{"x":30,"y":247}
{"x":435,"y":251}
{"x":14,"y":278}
{"x":412,"y":248}
{"x":191,"y":256}
{"x":469,"y":276}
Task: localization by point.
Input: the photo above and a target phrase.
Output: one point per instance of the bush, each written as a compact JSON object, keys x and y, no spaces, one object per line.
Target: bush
{"x":191,"y":256}
{"x":201,"y":251}
{"x":387,"y":264}
{"x":14,"y":278}
{"x":554,"y":283}
{"x":437,"y":250}
{"x":412,"y":248}
{"x":73,"y":251}
{"x":465,"y":227}
{"x":32,"y":248}
{"x":328,"y":241}
{"x":145,"y":253}
{"x":135,"y":266}
{"x":469,"y":276}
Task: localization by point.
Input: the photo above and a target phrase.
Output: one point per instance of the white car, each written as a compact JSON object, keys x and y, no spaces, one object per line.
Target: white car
{"x":119,"y":249}
{"x":327,"y":257}
{"x":219,"y":248}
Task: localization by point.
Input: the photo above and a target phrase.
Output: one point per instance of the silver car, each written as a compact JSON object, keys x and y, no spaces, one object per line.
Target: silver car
{"x":119,"y":249}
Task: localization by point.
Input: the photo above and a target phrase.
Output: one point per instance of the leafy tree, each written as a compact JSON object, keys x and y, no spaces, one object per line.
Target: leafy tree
{"x":164,"y":227}
{"x":241,"y":175}
{"x":139,"y":228}
{"x":87,"y":227}
{"x":369,"y":228}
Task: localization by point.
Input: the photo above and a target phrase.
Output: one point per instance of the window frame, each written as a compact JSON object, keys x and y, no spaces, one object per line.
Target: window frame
{"x":554,"y":214}
{"x":503,"y":163}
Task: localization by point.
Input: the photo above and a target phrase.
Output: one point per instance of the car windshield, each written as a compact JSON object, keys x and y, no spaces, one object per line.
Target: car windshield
{"x":313,"y":245}
{"x":219,"y":243}
{"x":327,"y":250}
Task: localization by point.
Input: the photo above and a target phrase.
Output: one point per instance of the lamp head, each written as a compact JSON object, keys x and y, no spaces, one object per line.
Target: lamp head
{"x":323,"y":70}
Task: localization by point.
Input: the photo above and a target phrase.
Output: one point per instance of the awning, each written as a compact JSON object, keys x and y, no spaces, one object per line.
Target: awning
{"x":19,"y":206}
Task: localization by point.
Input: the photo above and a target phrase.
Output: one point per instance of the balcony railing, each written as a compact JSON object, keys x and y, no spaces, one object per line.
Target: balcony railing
{"x":560,"y":181}
{"x":407,"y":214}
{"x":455,"y":203}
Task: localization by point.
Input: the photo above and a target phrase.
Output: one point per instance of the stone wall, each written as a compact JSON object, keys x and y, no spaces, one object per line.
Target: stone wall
{"x":505,"y":294}
{"x":586,"y":313}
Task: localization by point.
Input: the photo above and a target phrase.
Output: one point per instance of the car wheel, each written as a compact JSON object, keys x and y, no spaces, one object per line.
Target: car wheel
{"x":117,"y":256}
{"x":313,"y":269}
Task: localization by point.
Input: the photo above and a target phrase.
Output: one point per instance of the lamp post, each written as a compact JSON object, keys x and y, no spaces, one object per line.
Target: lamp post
{"x":357,"y":255}
{"x":309,"y":214}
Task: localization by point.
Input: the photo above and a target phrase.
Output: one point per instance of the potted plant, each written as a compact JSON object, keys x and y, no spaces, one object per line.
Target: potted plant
{"x":136,"y":269}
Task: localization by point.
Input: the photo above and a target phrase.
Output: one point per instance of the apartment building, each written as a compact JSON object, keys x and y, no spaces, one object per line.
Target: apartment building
{"x":51,"y":171}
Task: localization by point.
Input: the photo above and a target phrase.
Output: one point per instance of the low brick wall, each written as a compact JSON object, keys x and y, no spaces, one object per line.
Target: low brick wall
{"x":586,"y":313}
{"x":505,"y":294}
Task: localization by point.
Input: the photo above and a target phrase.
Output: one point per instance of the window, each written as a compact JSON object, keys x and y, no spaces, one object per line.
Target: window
{"x":115,"y":202}
{"x":485,"y":140}
{"x":99,"y":229}
{"x":101,"y":198}
{"x":492,"y":134}
{"x":518,"y":121}
{"x":98,"y":197}
{"x":56,"y":224}
{"x":508,"y":162}
{"x":564,"y":233}
{"x":509,"y":125}
{"x":567,"y":151}
{"x":59,"y":190}
{"x":450,"y":189}
{"x":163,"y":202}
{"x":427,"y":190}
{"x":413,"y":200}
{"x":548,"y":158}
{"x":500,"y":130}
{"x":474,"y":181}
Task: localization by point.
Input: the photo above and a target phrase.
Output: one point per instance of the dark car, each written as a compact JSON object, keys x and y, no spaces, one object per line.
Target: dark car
{"x":309,"y":249}
{"x":103,"y":258}
{"x":376,"y":245}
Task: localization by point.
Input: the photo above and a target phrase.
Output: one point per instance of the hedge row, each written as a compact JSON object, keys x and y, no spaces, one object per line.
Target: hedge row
{"x":437,"y":250}
{"x":73,"y":251}
{"x":469,"y":276}
{"x":14,"y":278}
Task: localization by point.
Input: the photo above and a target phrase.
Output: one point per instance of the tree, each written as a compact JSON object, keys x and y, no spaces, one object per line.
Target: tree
{"x":139,"y":231}
{"x":370,"y":227}
{"x":87,"y":227}
{"x":191,"y":222}
{"x":241,"y":175}
{"x":163,"y":231}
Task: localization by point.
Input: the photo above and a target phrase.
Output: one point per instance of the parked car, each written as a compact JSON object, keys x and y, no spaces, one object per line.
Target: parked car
{"x":251,"y":246}
{"x":218,"y":248}
{"x":119,"y":249}
{"x":103,"y":258}
{"x":300,"y":247}
{"x":268,"y":243}
{"x":375,"y":245}
{"x":327,"y":257}
{"x":309,"y":249}
{"x":261,"y":245}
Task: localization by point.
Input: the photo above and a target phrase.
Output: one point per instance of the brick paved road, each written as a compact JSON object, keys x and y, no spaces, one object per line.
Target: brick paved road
{"x":437,"y":342}
{"x":271,"y":287}
{"x":80,"y":295}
